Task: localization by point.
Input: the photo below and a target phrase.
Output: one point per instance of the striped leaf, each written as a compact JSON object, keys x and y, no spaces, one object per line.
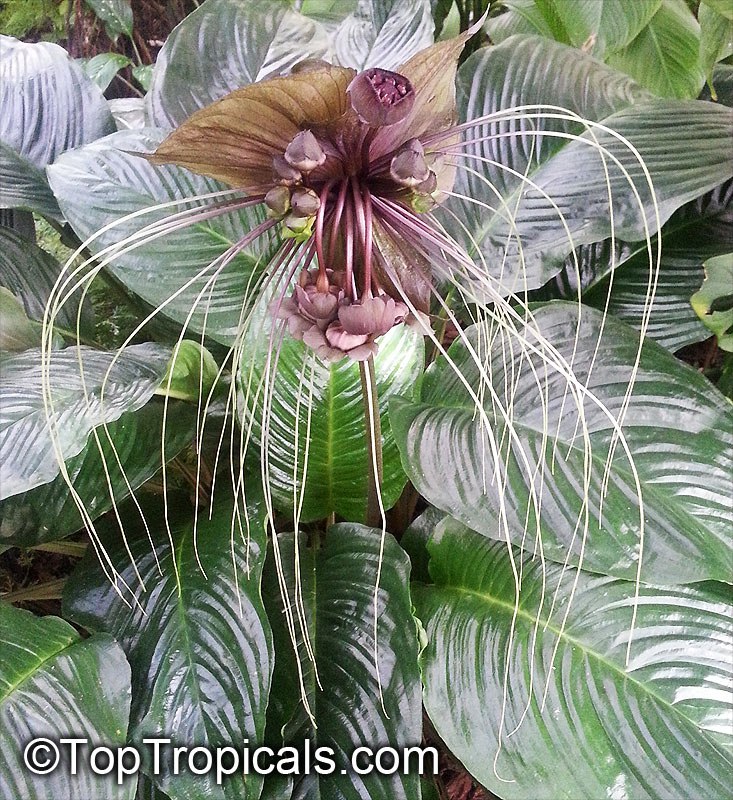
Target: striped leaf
{"x":198,"y":640}
{"x":532,"y":690}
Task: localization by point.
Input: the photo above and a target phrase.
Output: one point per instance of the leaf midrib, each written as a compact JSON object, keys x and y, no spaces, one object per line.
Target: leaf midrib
{"x":591,"y":654}
{"x":38,"y":666}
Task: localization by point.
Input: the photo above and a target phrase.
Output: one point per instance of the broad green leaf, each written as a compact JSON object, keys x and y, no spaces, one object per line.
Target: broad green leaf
{"x":604,"y":26}
{"x":197,"y":639}
{"x":49,"y":105}
{"x":116,"y":15}
{"x":317,"y":409}
{"x":596,"y":26}
{"x":82,"y":400}
{"x":143,"y":74}
{"x":696,"y":231}
{"x":671,"y":42}
{"x":147,"y":790}
{"x":716,"y":38}
{"x":328,"y":12}
{"x":118,"y":182}
{"x":191,"y":374}
{"x":17,"y":332}
{"x":223,"y":45}
{"x":678,"y":430}
{"x":533,"y":692}
{"x":553,"y":20}
{"x":128,"y":452}
{"x":54,"y":684}
{"x":714,"y":302}
{"x":720,"y":88}
{"x":23,"y":185}
{"x":522,"y":16}
{"x":30,"y":273}
{"x":525,"y":226}
{"x":338,"y":584}
{"x":383,"y":33}
{"x":720,"y":6}
{"x":103,"y":67}
{"x":128,"y":113}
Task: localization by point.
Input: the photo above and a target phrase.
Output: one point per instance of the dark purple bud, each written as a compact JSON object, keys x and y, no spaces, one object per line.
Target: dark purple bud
{"x":277,"y":201}
{"x":304,"y":153}
{"x":283,"y":173}
{"x":381,"y":97}
{"x":409,"y":167}
{"x":429,"y":185}
{"x":305,"y":202}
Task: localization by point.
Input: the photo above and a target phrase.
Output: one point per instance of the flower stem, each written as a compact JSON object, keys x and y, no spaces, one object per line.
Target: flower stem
{"x":374,"y":441}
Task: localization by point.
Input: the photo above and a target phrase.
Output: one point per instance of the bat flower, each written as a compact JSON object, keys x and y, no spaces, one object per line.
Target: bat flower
{"x":348,"y":166}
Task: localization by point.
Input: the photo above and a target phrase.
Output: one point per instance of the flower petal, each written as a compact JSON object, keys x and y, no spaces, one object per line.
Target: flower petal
{"x":235,"y":139}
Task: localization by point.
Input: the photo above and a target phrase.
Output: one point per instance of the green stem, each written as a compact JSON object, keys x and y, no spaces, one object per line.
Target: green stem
{"x":374,"y":440}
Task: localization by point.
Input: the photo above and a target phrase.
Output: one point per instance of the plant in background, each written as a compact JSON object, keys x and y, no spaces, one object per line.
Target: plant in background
{"x":565,"y":581}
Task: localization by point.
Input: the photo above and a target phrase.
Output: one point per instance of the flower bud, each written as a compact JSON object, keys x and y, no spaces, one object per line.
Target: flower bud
{"x":305,"y":202}
{"x":309,"y":65}
{"x":429,"y":185}
{"x":277,"y":201}
{"x":304,"y":152}
{"x":381,"y":97}
{"x":409,"y":167}
{"x":283,"y":173}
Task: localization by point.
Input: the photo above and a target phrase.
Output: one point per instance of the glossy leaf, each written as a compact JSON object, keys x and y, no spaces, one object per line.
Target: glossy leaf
{"x":317,"y":409}
{"x":23,"y":185}
{"x":128,"y":113}
{"x":116,"y":15}
{"x":197,"y":640}
{"x":597,"y":26}
{"x":82,"y":400}
{"x":49,"y":105}
{"x":527,"y":70}
{"x":128,"y":452}
{"x":672,"y":40}
{"x":30,"y":274}
{"x":338,"y":583}
{"x":720,"y":88}
{"x":383,"y":33}
{"x":147,"y":790}
{"x":535,"y":696}
{"x":714,"y":302}
{"x":143,"y":74}
{"x":223,"y":45}
{"x":191,"y":374}
{"x":54,"y":684}
{"x":720,"y":6}
{"x":17,"y":332}
{"x":716,"y":38}
{"x":678,"y":430}
{"x":696,"y":231}
{"x":521,"y":16}
{"x":612,"y":23}
{"x":103,"y":67}
{"x":118,"y":182}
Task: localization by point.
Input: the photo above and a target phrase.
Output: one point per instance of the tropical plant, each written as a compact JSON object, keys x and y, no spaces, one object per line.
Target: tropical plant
{"x":397,"y":423}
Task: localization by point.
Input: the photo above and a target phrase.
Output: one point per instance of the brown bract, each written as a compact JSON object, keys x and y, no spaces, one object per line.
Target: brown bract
{"x":236,"y":138}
